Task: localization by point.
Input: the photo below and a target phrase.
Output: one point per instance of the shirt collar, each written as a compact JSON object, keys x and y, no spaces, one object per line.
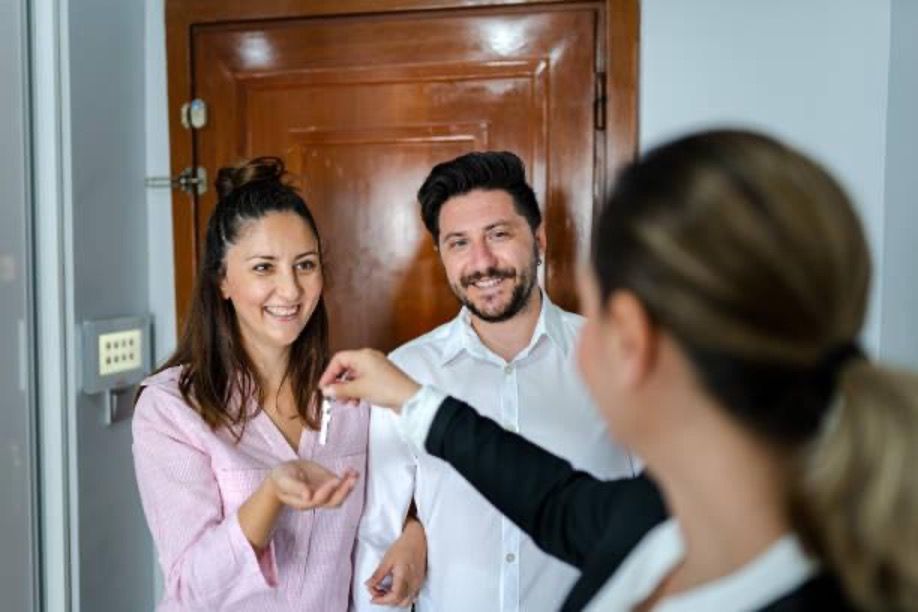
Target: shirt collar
{"x":461,"y":336}
{"x":780,"y":569}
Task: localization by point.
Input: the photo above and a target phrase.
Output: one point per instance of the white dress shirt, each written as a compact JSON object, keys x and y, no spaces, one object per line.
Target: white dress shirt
{"x":478,"y":560}
{"x":782,"y":568}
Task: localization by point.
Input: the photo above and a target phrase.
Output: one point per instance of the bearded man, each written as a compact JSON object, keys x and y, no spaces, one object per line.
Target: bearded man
{"x":509,"y":353}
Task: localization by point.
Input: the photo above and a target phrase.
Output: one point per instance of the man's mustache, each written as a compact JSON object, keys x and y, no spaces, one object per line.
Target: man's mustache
{"x":474,"y":277}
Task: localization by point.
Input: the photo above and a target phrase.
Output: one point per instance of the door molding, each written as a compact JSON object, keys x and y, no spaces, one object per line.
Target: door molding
{"x":619,"y":19}
{"x":53,"y":291}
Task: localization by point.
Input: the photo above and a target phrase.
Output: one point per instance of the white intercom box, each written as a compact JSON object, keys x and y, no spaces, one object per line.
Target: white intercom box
{"x":116,"y":354}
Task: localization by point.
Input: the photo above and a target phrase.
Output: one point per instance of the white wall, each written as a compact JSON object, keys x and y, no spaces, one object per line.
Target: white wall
{"x":899,"y":321}
{"x":813,"y":73}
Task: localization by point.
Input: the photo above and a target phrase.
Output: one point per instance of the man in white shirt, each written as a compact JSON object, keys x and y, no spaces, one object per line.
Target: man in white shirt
{"x":509,"y":353}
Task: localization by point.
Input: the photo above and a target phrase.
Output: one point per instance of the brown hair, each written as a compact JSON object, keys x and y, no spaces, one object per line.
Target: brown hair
{"x":753,"y":258}
{"x":215,"y":366}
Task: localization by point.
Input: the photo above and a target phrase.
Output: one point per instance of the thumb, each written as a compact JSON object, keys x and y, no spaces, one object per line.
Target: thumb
{"x":340,"y":366}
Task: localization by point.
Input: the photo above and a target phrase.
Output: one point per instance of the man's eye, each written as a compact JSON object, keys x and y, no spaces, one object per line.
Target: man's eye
{"x":262,"y":267}
{"x":456,"y":244}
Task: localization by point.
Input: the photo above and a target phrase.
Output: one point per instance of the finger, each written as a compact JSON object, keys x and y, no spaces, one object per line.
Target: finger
{"x":388,"y":599}
{"x":324,"y":492}
{"x":398,"y":591}
{"x":349,"y":391}
{"x":376,"y":593}
{"x":380,"y":595}
{"x":296,"y":501}
{"x":288,"y":485}
{"x":340,"y":366}
{"x":315,"y":473}
{"x":340,"y":494}
{"x":382,"y":570}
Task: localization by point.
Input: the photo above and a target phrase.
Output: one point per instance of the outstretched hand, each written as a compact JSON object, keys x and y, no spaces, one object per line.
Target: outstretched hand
{"x":304,"y":485}
{"x":367,"y":375}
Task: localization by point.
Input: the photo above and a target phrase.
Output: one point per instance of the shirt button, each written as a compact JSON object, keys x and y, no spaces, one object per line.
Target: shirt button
{"x":508,"y":369}
{"x":511,"y":557}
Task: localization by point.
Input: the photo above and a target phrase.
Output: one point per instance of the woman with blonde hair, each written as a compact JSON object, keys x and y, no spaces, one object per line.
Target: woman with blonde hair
{"x":727,"y":289}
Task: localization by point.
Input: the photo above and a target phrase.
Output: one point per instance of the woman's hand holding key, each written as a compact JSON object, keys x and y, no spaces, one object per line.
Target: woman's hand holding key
{"x":367,"y":375}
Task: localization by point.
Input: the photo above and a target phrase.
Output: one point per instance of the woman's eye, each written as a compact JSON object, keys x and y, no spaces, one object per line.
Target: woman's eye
{"x":262,"y":267}
{"x":307,"y":265}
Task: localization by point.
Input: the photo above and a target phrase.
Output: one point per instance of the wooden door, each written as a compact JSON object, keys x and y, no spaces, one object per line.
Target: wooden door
{"x":362,"y":106}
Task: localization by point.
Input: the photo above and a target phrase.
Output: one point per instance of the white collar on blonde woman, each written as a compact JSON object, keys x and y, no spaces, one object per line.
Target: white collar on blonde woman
{"x":780,"y":569}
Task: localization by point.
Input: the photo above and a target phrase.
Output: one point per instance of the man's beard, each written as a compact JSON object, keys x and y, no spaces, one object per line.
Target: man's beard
{"x":526,"y":281}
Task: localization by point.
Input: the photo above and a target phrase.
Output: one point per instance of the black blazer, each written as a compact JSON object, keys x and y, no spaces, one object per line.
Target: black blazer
{"x":588,"y":523}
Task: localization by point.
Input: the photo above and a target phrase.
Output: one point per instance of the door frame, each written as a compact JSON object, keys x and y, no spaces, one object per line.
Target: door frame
{"x":620,"y":42}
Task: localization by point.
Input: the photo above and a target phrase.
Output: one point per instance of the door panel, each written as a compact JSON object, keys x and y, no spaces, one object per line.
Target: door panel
{"x":362,"y":107}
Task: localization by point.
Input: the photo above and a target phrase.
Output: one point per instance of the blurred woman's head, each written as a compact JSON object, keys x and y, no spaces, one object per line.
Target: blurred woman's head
{"x":751,"y":258}
{"x":258,"y":294}
{"x":730,"y":263}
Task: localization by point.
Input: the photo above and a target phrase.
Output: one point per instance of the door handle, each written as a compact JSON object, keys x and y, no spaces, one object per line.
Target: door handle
{"x":190,"y":179}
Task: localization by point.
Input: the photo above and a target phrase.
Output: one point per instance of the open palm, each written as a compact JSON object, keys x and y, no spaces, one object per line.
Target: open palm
{"x":303,"y":485}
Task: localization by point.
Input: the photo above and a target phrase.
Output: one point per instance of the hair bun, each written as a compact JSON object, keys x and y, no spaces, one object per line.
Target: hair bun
{"x":259,"y":169}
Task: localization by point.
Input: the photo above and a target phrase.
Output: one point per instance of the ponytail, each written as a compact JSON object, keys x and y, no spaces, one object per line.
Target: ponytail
{"x":859,"y":495}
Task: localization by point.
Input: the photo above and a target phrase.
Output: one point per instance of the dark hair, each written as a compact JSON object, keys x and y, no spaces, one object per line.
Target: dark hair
{"x":752,"y":257}
{"x":487,"y":170}
{"x":216,"y":367}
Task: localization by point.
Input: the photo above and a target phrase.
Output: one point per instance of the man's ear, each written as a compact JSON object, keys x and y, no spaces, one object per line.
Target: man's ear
{"x":635,"y":337}
{"x":541,"y":240}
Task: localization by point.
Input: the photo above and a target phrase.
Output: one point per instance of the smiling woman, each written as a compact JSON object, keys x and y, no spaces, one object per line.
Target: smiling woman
{"x":225,"y":433}
{"x":262,"y":257}
{"x":273,"y":279}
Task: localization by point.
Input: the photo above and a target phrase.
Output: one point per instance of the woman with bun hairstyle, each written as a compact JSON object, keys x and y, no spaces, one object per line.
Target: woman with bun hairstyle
{"x":726,"y":293}
{"x":252,"y":502}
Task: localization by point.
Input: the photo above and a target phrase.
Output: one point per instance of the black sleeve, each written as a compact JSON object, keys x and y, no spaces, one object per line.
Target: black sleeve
{"x":565,"y":511}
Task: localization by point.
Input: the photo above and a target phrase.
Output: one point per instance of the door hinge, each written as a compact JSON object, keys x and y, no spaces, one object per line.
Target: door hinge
{"x":194,"y":114}
{"x":188,"y":180}
{"x":599,"y":101}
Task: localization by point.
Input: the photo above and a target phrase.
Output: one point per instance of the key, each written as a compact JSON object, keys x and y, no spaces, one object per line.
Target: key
{"x":325,"y":421}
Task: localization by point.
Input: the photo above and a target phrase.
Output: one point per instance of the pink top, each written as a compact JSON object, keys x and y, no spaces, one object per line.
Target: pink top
{"x":192,"y":481}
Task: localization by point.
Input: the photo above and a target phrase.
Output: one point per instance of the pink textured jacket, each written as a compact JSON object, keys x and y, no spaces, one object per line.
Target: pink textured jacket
{"x":192,"y":481}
